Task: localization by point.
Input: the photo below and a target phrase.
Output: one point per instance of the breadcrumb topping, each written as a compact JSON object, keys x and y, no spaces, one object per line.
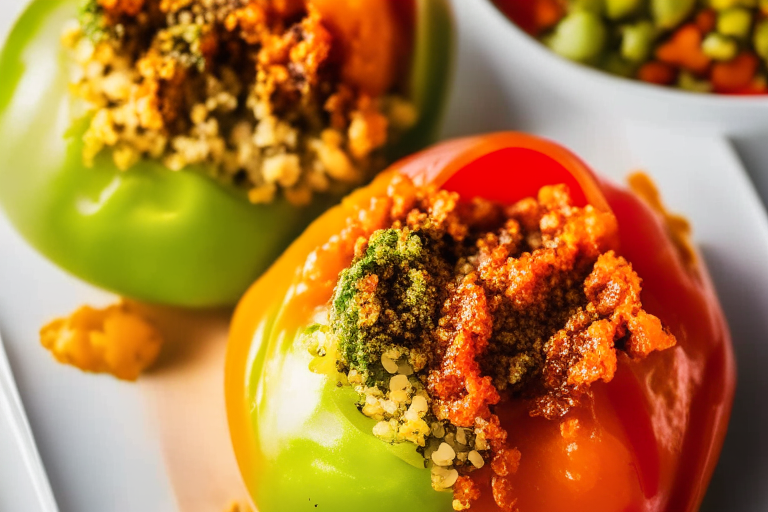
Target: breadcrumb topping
{"x":253,"y":90}
{"x":449,"y":306}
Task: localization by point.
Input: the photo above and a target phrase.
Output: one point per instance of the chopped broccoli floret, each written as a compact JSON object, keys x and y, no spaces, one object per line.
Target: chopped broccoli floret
{"x":389,"y":298}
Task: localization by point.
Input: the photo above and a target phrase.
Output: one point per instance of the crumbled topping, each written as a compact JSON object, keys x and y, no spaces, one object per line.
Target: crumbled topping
{"x":252,"y":90}
{"x":449,"y":306}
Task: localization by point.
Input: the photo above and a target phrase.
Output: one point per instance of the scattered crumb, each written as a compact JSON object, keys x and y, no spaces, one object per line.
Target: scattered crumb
{"x":114,"y":340}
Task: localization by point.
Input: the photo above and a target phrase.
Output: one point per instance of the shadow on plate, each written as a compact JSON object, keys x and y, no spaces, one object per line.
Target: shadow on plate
{"x":739,"y":482}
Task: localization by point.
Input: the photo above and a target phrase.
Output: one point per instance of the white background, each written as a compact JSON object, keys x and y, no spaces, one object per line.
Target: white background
{"x":101,"y":451}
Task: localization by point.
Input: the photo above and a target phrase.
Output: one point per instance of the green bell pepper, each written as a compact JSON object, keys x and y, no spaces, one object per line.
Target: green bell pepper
{"x":307,"y":423}
{"x":168,"y":237}
{"x":301,"y":427}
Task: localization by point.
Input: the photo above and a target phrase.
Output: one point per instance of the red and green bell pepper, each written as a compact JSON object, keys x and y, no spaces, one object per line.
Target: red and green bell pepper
{"x":303,"y":445}
{"x":169,"y":237}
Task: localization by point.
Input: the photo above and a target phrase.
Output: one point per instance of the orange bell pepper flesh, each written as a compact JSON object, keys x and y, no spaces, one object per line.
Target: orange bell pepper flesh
{"x":683,"y":50}
{"x":652,"y":437}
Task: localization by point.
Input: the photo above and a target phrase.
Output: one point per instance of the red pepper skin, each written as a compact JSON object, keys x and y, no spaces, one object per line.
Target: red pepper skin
{"x":650,"y":438}
{"x":671,"y":410}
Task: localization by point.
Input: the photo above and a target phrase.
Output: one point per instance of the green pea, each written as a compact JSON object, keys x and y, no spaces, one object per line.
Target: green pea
{"x":580,"y":36}
{"x":615,"y":64}
{"x":719,"y":47}
{"x":637,"y":40}
{"x":668,"y":14}
{"x":734,"y":22}
{"x":721,"y":5}
{"x":687,"y":81}
{"x":595,"y":6}
{"x":618,"y":9}
{"x":760,"y":39}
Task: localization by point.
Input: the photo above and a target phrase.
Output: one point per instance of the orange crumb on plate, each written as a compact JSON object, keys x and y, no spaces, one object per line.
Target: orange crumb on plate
{"x":115,"y":340}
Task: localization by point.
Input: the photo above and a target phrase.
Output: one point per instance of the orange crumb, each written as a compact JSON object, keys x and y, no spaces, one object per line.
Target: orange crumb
{"x":678,"y":227}
{"x":113,"y":340}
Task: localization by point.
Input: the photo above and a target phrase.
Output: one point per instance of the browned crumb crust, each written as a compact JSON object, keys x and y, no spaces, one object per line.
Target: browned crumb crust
{"x":252,"y":89}
{"x":533,"y":303}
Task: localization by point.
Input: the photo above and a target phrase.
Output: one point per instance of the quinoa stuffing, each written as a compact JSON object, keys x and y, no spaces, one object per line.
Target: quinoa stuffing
{"x":454,"y":306}
{"x":278,"y":97}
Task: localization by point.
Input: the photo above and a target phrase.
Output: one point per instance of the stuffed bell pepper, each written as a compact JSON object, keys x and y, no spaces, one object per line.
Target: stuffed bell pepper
{"x":488,"y":326}
{"x":169,"y":150}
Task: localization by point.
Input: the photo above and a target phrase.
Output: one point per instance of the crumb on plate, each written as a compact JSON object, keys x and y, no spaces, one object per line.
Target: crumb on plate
{"x":114,"y":340}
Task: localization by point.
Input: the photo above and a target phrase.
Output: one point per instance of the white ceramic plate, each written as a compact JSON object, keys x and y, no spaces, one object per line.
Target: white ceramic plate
{"x":23,"y":482}
{"x":100,"y":448}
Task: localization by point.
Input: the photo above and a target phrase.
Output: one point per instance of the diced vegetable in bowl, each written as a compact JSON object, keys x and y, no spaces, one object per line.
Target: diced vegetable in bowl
{"x":718,"y":46}
{"x":642,"y":61}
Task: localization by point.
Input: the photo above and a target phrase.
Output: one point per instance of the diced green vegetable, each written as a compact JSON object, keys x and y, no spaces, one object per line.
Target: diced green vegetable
{"x":681,"y":43}
{"x":720,"y":5}
{"x":687,"y":81}
{"x":735,"y":22}
{"x":719,"y":47}
{"x":615,"y":64}
{"x":760,"y":39}
{"x":580,"y":36}
{"x":595,"y":6}
{"x":619,"y":9}
{"x":637,"y":40}
{"x":668,"y":14}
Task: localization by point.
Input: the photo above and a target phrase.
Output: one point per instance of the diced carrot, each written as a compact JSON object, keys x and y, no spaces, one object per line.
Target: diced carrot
{"x":706,"y":20}
{"x":683,"y":50}
{"x":752,"y":90}
{"x":735,"y":75}
{"x":547,"y":13}
{"x":655,"y":72}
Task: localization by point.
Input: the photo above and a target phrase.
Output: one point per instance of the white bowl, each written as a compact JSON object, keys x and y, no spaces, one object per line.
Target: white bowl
{"x":632,"y":99}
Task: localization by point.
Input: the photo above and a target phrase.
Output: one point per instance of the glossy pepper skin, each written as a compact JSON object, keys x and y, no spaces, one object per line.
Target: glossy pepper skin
{"x":649,"y":442}
{"x":178,"y":238}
